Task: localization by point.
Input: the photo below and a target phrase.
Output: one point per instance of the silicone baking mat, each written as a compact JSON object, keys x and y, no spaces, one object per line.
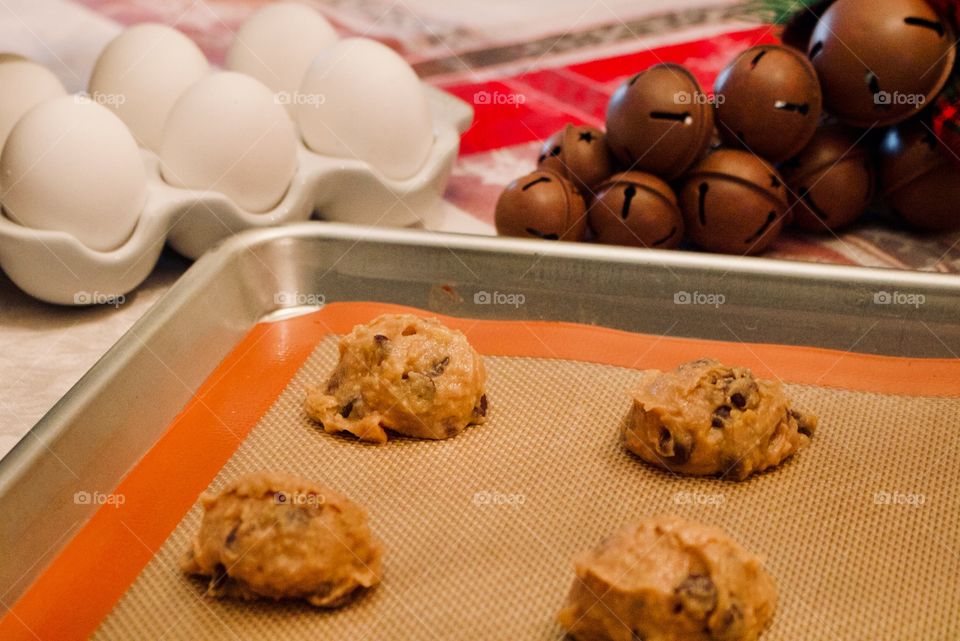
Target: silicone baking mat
{"x":860,"y":529}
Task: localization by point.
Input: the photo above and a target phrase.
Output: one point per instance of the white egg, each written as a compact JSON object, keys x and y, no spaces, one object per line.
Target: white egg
{"x":226,"y":133}
{"x":277,"y":44}
{"x":71,"y":165}
{"x":367,"y":103}
{"x":142,"y":72}
{"x":23,"y":84}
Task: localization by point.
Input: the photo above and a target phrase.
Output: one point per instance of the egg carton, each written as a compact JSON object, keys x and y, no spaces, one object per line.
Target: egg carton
{"x":55,"y":267}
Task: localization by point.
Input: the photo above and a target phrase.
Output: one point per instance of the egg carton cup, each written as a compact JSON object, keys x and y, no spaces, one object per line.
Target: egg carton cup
{"x":55,"y":267}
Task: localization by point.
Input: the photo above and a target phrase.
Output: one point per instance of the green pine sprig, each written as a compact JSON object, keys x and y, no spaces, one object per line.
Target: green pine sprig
{"x":776,"y":11}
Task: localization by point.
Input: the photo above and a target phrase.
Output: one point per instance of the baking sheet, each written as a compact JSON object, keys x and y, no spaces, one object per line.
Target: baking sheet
{"x":858,"y":529}
{"x":123,"y":406}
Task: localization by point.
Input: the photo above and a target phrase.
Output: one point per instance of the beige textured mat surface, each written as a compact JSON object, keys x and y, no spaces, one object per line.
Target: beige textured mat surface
{"x":861,"y":530}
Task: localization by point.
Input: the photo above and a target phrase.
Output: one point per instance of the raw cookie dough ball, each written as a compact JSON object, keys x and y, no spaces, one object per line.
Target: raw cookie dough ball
{"x":578,"y":153}
{"x":660,"y":121}
{"x":541,"y":205}
{"x":404,"y":373}
{"x":636,"y":209}
{"x":669,"y":579}
{"x":768,"y":101}
{"x":708,"y":419}
{"x":275,"y":536}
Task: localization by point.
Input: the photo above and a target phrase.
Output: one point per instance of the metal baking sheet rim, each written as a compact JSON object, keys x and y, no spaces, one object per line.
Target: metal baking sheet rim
{"x":100,"y":413}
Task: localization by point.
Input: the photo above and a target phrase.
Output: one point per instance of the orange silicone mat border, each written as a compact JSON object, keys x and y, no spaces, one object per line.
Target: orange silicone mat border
{"x":84,"y":581}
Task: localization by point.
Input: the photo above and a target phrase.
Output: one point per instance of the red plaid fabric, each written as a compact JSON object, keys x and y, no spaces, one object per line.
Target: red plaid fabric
{"x":946,"y":109}
{"x":946,"y":116}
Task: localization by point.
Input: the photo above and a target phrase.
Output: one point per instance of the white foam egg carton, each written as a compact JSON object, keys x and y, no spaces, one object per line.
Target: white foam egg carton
{"x":56,"y":267}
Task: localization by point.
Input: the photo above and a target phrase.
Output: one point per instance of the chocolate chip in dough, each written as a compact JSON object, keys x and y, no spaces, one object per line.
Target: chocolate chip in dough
{"x":671,"y":449}
{"x":730,"y":625}
{"x":381,"y":347}
{"x":450,"y":429}
{"x":738,"y":400}
{"x":697,"y":595}
{"x":803,"y":423}
{"x":742,"y":389}
{"x":219,"y":577}
{"x":665,"y":445}
{"x":336,"y":379}
{"x":438,"y":368}
{"x":481,"y":408}
{"x":720,"y":416}
{"x":732,"y":469}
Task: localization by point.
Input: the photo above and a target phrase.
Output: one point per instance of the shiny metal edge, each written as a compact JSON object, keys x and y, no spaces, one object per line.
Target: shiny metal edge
{"x":594,"y":252}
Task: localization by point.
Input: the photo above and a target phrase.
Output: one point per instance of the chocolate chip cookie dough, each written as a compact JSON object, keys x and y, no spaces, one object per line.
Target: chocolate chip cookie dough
{"x":708,"y":419}
{"x":407,"y":374}
{"x":668,"y":579}
{"x":276,"y":536}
